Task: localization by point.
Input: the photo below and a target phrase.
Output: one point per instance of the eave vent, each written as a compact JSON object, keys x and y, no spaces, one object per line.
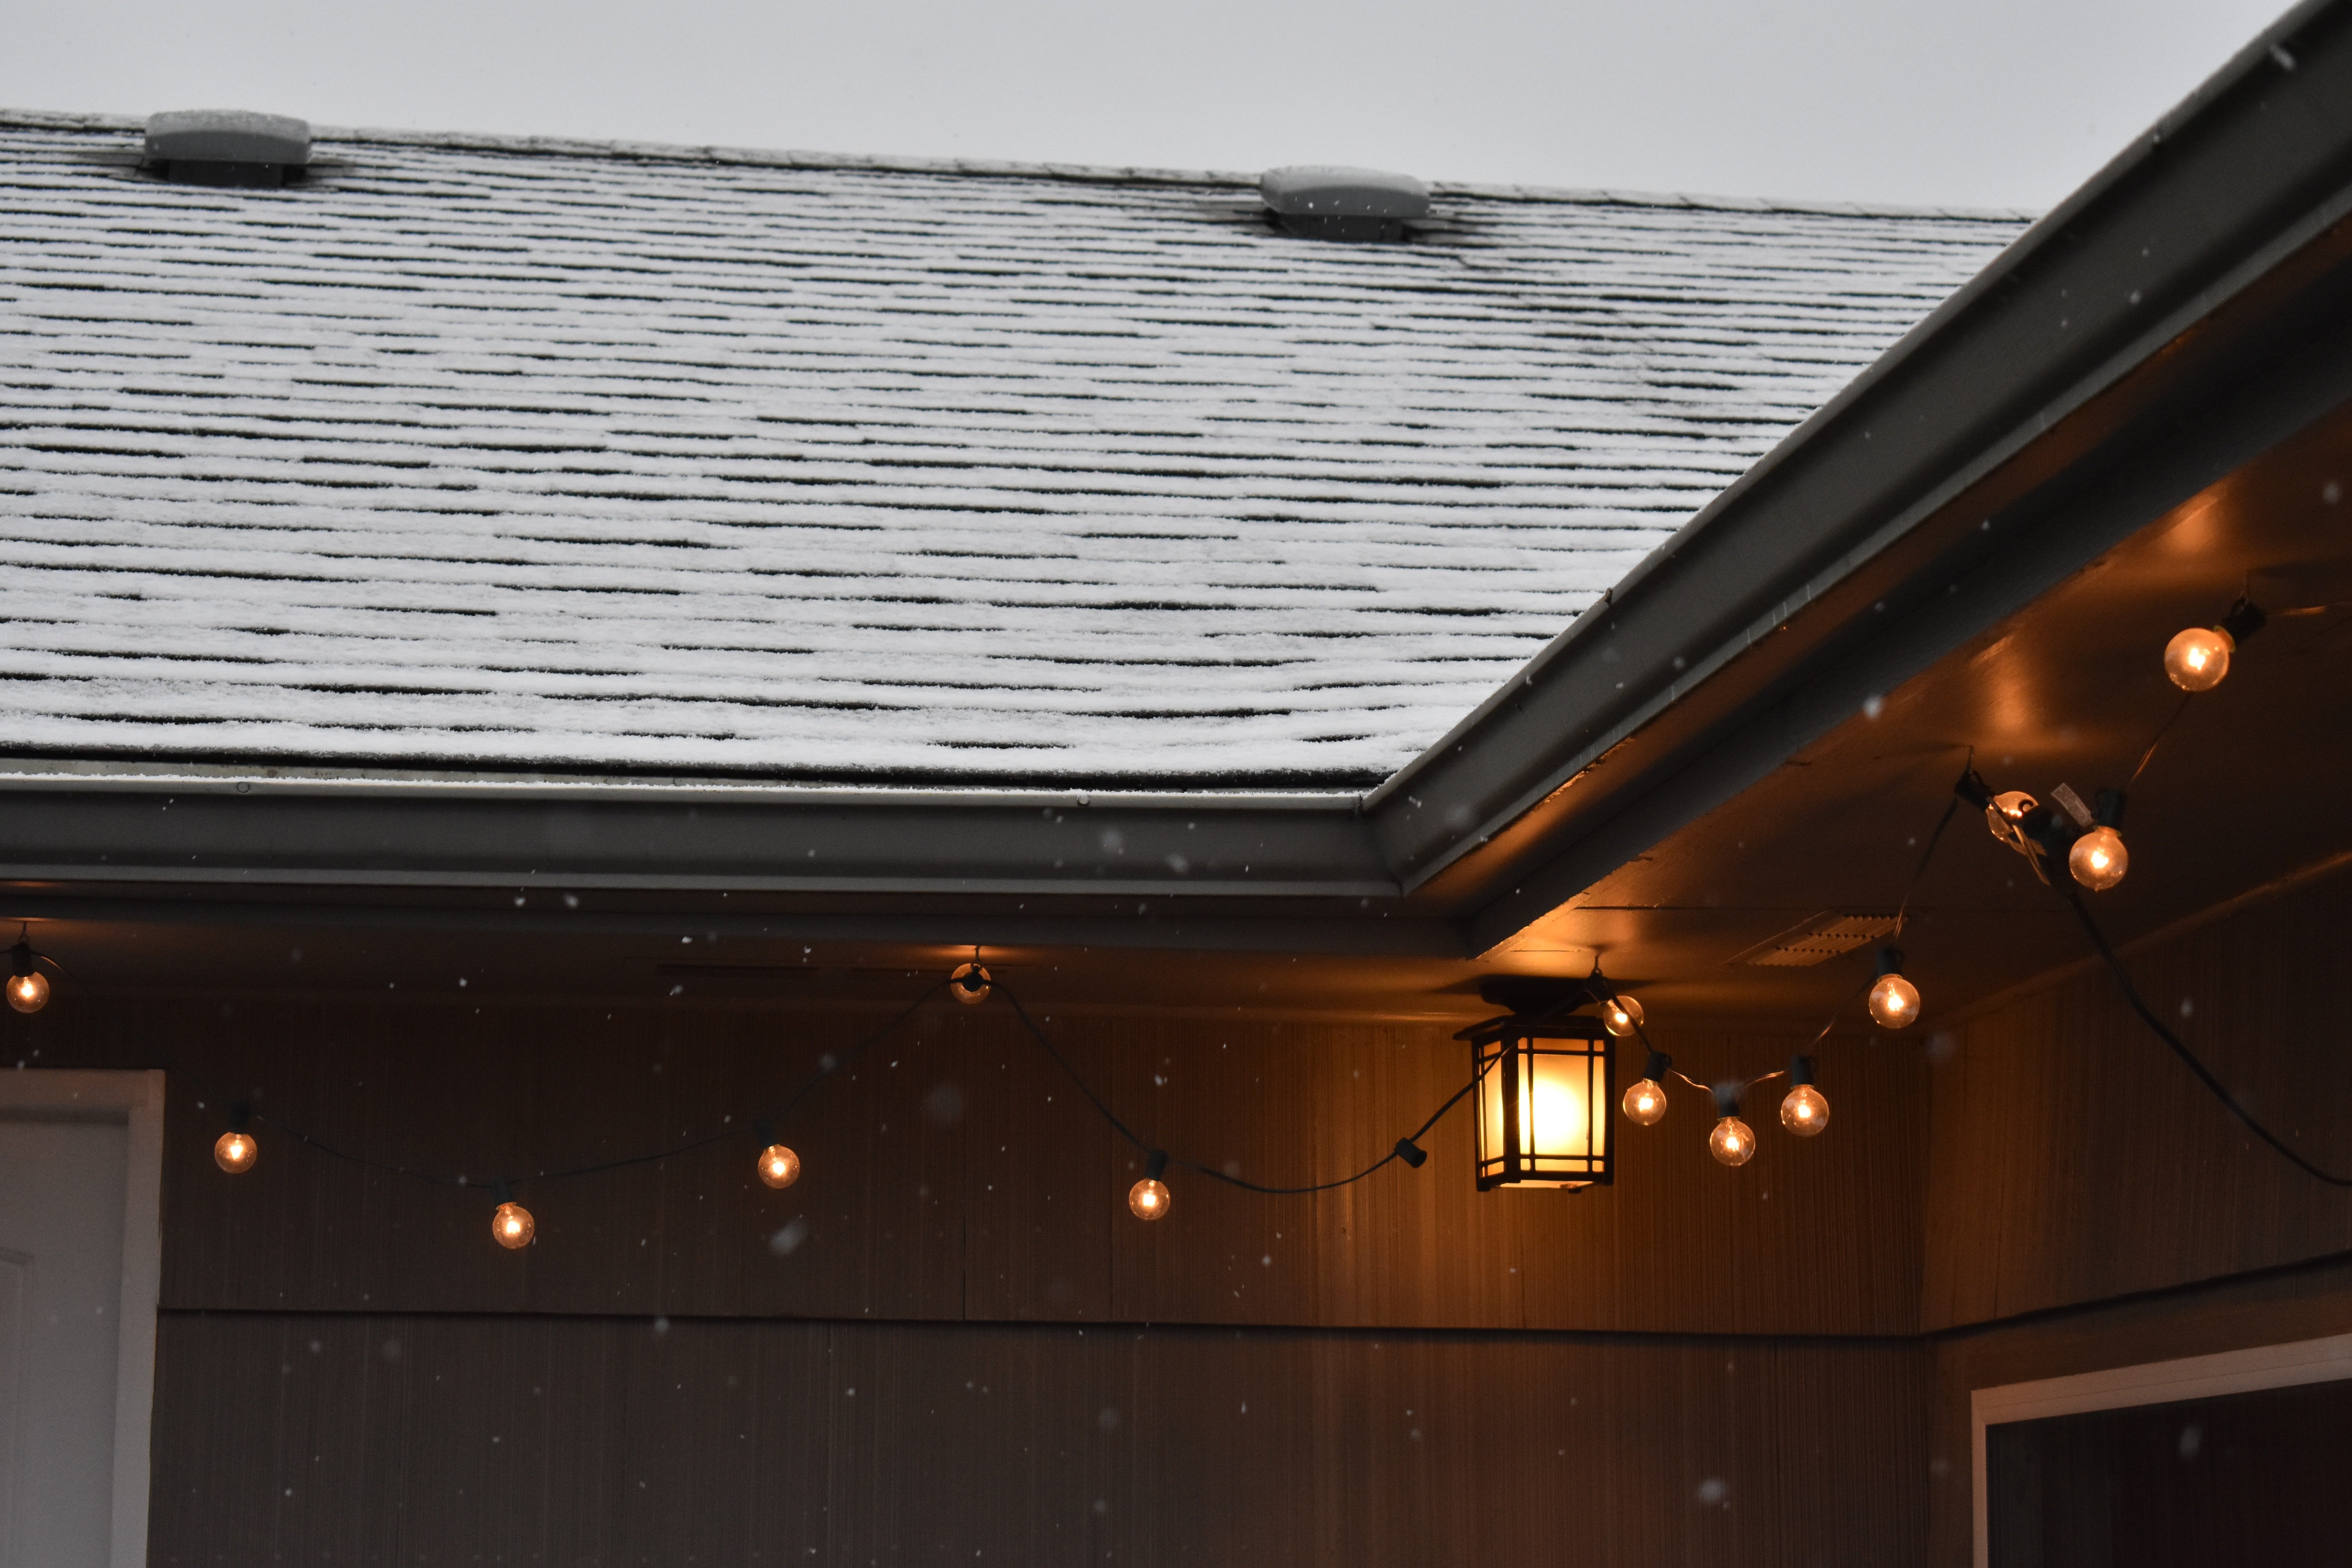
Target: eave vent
{"x":1329,"y":203}
{"x":227,"y":147}
{"x":1818,"y":940}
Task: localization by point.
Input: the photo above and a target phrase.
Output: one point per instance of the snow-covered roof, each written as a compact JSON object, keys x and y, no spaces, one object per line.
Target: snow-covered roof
{"x":539,"y":457}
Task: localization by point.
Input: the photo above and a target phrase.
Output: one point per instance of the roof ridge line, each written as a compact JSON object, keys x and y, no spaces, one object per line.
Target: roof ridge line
{"x":1088,"y":174}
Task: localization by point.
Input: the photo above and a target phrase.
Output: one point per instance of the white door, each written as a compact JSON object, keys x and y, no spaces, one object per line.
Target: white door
{"x":78,"y":1254}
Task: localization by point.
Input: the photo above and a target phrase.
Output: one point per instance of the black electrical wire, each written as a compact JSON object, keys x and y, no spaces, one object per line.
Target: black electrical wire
{"x":828,"y":1067}
{"x":2158,"y":738}
{"x":2163,"y":1032}
{"x":1124,"y":1130}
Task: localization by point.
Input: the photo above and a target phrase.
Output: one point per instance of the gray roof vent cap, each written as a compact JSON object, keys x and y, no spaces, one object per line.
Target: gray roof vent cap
{"x":1333,"y":203}
{"x":228,"y":146}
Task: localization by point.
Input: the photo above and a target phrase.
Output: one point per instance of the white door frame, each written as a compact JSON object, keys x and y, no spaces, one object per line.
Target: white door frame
{"x":2327,"y":1359}
{"x":136,"y":1100}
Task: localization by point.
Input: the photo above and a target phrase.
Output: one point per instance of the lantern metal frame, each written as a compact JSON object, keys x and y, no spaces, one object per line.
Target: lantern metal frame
{"x":1511,"y":1045}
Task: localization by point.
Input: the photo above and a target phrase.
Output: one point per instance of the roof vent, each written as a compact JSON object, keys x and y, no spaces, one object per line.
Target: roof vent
{"x":1819,"y":940}
{"x":228,"y":146}
{"x":1327,"y":202}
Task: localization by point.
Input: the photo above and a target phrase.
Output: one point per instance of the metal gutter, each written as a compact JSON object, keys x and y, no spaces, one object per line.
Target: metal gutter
{"x":2250,"y":170}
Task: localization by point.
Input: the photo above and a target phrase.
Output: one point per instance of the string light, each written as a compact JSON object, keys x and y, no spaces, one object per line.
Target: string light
{"x":1805,"y":1110}
{"x":1645,"y":1103}
{"x":1894,"y":1000}
{"x":1733,"y":1141}
{"x":512,"y":1225}
{"x":1622,"y":1016}
{"x":236,"y":1150}
{"x":779,"y":1166}
{"x":2197,"y":660}
{"x":1148,"y":1198}
{"x":2098,"y":858}
{"x":29,"y":988}
{"x":970,"y":985}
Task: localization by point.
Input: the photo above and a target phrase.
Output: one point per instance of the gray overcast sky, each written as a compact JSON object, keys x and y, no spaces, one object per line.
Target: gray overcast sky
{"x":1987,"y":102}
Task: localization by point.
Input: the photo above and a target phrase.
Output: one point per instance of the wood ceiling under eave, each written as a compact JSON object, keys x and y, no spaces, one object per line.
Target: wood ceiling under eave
{"x":2247,"y":787}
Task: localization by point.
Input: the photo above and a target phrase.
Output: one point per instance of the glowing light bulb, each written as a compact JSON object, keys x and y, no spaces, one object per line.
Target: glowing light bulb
{"x":1733,"y":1141}
{"x":235,"y":1151}
{"x":511,"y":1226}
{"x":1894,"y":1001}
{"x":1645,"y":1103}
{"x":969,"y":984}
{"x":1805,"y":1112}
{"x":779,"y":1166}
{"x":2099,"y":859}
{"x":1147,"y":1198}
{"x":28,"y":992}
{"x":2199,"y":658}
{"x":1621,"y":1015}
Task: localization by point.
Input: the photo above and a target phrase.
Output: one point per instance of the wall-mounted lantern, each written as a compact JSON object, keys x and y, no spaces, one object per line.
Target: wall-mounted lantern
{"x":1546,"y":1089}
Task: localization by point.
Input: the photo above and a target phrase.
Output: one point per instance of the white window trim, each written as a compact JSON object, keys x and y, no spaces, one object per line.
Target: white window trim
{"x":135,"y":1099}
{"x":2152,"y":1383}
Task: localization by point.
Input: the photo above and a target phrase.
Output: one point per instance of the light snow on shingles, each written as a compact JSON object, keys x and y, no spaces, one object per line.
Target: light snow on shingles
{"x":533,"y":461}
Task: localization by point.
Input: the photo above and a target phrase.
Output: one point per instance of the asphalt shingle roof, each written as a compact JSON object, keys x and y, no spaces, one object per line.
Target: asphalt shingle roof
{"x":530,"y":458}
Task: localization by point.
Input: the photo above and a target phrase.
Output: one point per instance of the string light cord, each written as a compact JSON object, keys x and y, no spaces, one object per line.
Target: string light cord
{"x":2158,"y":738}
{"x":1045,"y":1043}
{"x":2162,"y":1031}
{"x":828,"y":1067}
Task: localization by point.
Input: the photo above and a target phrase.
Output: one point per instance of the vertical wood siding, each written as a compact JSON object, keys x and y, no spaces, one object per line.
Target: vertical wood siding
{"x":2073,"y":1158}
{"x":952,"y":1174}
{"x":364,"y":1440}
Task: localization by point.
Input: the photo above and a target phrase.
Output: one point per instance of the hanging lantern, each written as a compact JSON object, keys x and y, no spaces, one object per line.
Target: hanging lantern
{"x":1545,"y":1090}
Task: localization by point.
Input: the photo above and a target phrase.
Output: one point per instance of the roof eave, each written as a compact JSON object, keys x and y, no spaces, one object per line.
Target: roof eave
{"x":2244,"y":174}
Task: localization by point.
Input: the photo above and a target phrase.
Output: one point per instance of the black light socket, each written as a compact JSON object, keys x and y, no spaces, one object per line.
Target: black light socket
{"x":1890,"y":960}
{"x":1412,"y":1153}
{"x":2245,"y":620}
{"x":1726,"y":1098}
{"x":1801,"y":1070}
{"x":2108,"y":810}
{"x":1155,"y":1164}
{"x":1972,"y":788}
{"x":1656,"y":1068}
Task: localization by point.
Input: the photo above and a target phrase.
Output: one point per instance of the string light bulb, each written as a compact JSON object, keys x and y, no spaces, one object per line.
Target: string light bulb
{"x":512,"y":1226}
{"x":779,"y":1166}
{"x":1645,"y":1104}
{"x":1149,"y":1199}
{"x":29,"y":988}
{"x":1894,"y":1000}
{"x":2098,"y":858}
{"x":236,"y":1150}
{"x":1622,"y":1016}
{"x":28,"y":992}
{"x":970,"y":983}
{"x":2197,"y":660}
{"x":1733,"y":1141}
{"x":1805,"y":1110}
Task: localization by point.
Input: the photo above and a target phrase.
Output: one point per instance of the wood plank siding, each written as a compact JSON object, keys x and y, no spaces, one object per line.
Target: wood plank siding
{"x":352,"y":1438}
